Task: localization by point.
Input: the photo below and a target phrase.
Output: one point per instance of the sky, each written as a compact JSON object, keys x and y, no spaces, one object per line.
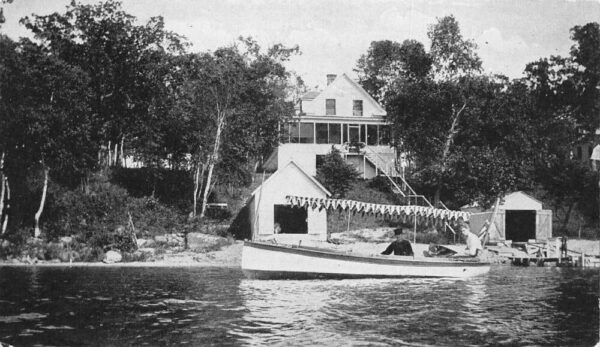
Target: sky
{"x":333,"y":34}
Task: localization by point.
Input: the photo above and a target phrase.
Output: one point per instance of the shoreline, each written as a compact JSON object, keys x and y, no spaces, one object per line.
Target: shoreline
{"x":230,"y":256}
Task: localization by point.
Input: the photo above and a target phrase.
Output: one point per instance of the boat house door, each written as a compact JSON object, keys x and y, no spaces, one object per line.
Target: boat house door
{"x":520,"y":225}
{"x":291,"y":220}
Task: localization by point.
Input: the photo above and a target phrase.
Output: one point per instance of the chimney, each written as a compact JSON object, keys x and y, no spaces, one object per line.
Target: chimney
{"x":330,"y":78}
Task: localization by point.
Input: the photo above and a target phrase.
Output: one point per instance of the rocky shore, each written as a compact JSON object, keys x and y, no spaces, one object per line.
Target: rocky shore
{"x":195,"y":249}
{"x":199,"y":249}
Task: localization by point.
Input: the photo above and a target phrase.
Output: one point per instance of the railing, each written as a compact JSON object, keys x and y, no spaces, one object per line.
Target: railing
{"x":411,"y":191}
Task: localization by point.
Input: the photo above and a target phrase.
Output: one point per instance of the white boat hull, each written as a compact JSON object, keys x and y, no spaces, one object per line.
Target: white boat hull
{"x":269,"y":261}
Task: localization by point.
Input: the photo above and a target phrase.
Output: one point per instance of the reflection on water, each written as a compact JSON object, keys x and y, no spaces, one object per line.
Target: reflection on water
{"x":158,"y":306}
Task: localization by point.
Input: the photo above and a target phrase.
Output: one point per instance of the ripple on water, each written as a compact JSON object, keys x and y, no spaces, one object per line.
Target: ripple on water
{"x":511,"y":306}
{"x":30,"y":316}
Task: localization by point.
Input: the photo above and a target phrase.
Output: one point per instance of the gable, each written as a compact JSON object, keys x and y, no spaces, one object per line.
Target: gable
{"x":344,"y":91}
{"x":292,"y":180}
{"x":520,"y":201}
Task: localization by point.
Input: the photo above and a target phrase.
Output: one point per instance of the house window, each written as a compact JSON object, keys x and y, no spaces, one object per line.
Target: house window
{"x":294,"y":133}
{"x":321,"y":129}
{"x":330,"y":107}
{"x":345,"y":133}
{"x":357,"y":108}
{"x":372,"y":135}
{"x":307,"y":132}
{"x":335,"y":136}
{"x":384,"y":135}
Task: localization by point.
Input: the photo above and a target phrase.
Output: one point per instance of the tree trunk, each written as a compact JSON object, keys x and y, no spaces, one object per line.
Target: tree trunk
{"x":109,"y":148}
{"x":212,"y":161}
{"x":2,"y":186}
{"x":38,"y":214}
{"x":446,"y":151}
{"x":116,"y":156}
{"x":198,"y":185}
{"x":5,"y":223}
{"x":122,"y":155}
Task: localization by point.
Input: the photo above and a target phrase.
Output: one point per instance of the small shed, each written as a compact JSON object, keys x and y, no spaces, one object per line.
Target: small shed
{"x":520,"y":218}
{"x":271,"y":215}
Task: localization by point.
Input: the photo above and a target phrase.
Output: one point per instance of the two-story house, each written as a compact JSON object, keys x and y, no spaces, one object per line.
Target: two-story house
{"x":342,"y":115}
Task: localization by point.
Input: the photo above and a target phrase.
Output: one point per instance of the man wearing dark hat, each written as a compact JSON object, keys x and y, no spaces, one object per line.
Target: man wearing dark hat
{"x":400,"y":246}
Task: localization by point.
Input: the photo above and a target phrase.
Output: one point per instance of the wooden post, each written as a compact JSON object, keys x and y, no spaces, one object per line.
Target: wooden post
{"x":415,"y":231}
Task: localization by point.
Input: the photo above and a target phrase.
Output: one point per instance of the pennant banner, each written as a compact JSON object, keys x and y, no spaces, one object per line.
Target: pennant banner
{"x":423,"y":213}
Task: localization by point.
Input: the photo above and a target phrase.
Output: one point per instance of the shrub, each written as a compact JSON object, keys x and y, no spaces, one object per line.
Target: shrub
{"x":335,"y":174}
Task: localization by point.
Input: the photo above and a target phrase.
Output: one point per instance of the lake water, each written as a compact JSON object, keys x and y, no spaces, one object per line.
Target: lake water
{"x":112,"y":306}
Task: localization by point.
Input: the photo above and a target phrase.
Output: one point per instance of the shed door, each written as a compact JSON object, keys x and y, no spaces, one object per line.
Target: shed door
{"x":291,"y":220}
{"x":520,"y":225}
{"x":543,"y":225}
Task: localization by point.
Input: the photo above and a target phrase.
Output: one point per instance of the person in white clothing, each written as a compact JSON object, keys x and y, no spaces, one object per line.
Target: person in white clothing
{"x":474,"y":247}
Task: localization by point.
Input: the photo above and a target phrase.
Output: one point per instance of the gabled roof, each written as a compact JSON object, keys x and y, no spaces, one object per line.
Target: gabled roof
{"x":364,"y":92}
{"x":520,"y":192}
{"x":311,"y":95}
{"x":293,"y":164}
{"x":315,"y":93}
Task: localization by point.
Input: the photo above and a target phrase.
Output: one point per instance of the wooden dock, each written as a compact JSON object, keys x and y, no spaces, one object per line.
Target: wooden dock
{"x":539,"y":253}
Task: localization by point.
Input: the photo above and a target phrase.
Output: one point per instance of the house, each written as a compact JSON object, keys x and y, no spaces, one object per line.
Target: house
{"x":582,"y":150}
{"x":342,"y":115}
{"x":272,"y":217}
{"x":520,"y":218}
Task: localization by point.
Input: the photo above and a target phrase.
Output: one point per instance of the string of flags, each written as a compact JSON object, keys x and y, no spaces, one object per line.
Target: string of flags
{"x":407,"y":212}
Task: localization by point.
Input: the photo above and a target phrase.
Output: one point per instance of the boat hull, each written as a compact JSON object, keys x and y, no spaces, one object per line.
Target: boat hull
{"x":270,"y":261}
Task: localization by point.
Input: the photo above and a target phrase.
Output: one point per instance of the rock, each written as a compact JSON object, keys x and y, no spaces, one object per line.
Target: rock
{"x":174,"y":240}
{"x":161,"y":239}
{"x":204,"y":242}
{"x":146,"y":252}
{"x":141,"y":242}
{"x":112,"y":257}
{"x":5,"y":244}
{"x":63,"y":256}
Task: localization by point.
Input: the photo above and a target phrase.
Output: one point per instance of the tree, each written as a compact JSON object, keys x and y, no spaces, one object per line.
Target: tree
{"x":567,"y":91}
{"x":122,"y":59}
{"x":387,"y":61}
{"x":231,"y":102}
{"x":335,"y":174}
{"x":453,"y":56}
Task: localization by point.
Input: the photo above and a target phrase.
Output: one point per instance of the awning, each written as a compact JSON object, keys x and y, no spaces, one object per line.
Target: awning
{"x":422,"y":213}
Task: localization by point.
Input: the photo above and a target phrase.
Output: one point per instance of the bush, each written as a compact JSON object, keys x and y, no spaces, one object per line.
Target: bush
{"x":335,"y":174}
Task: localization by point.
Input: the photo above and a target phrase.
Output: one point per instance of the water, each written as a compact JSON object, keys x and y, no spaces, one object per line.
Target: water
{"x":109,"y":306}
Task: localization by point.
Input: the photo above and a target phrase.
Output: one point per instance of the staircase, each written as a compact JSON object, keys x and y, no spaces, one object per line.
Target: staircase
{"x":399,"y":185}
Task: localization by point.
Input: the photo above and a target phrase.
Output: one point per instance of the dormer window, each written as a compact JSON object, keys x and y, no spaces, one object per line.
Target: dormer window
{"x":330,"y":107}
{"x":357,"y":108}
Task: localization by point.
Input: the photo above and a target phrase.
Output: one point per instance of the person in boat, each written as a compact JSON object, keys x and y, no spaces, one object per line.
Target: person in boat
{"x":400,"y":246}
{"x":474,"y":247}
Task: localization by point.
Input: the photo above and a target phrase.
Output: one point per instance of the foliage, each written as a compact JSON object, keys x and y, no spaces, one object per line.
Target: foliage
{"x":386,"y":61}
{"x":452,"y":55}
{"x":101,"y":217}
{"x":169,"y":186}
{"x":335,"y":174}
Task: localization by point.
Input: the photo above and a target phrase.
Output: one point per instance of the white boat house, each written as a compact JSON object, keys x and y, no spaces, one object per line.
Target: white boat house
{"x":271,"y":216}
{"x":520,"y":218}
